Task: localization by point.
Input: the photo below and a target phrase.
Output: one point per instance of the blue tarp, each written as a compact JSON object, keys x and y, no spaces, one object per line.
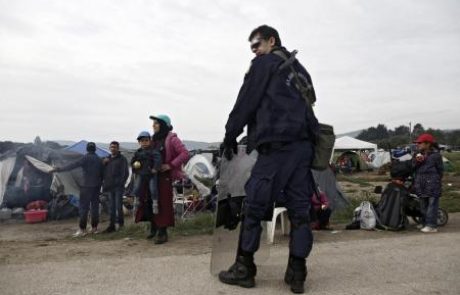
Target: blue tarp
{"x":80,"y":147}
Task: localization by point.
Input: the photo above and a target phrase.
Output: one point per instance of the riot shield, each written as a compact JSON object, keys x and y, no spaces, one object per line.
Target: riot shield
{"x":230,"y":187}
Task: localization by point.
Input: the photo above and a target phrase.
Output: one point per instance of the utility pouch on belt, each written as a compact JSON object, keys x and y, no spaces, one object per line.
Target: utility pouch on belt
{"x":325,"y":137}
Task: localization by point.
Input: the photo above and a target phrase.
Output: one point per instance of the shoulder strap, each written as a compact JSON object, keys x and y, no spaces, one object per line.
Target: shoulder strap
{"x":288,"y":62}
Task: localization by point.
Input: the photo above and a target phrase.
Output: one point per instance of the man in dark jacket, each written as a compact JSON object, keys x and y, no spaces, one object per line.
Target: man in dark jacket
{"x":90,"y":189}
{"x":115,"y":175}
{"x":281,"y":126}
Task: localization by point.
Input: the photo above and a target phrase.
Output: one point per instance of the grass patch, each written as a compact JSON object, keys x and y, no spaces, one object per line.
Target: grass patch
{"x":360,"y":181}
{"x":450,"y":201}
{"x":202,"y":223}
{"x":199,"y":224}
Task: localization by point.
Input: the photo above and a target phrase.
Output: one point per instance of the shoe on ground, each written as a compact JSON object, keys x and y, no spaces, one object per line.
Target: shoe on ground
{"x":429,"y":229}
{"x":296,"y":274}
{"x":241,"y":273}
{"x":152,"y":234}
{"x":420,"y":226}
{"x":94,"y":231}
{"x":161,"y":239}
{"x":79,"y":233}
{"x":110,"y":229}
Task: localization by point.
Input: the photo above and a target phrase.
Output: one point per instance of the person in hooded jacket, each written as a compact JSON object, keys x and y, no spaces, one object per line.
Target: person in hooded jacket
{"x":174,"y":155}
{"x":428,"y":180}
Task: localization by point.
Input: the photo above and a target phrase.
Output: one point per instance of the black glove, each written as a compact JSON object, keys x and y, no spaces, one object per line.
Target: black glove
{"x":228,"y":148}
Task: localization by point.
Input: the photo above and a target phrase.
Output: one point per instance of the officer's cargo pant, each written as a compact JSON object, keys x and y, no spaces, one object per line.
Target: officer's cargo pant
{"x":282,"y":175}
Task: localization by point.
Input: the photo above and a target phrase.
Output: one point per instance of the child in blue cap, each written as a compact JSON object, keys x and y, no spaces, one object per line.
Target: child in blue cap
{"x":146,"y":163}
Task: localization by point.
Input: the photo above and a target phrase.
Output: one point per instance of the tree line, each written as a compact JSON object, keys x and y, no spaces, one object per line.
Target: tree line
{"x":402,"y":135}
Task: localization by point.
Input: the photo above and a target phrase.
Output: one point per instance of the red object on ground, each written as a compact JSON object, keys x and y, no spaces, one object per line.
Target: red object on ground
{"x":34,"y":216}
{"x":37,"y":205}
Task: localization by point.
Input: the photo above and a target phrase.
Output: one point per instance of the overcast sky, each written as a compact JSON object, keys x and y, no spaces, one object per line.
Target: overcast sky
{"x":96,"y":70}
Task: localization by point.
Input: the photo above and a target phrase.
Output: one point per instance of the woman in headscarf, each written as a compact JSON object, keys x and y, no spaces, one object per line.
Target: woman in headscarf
{"x":174,"y":155}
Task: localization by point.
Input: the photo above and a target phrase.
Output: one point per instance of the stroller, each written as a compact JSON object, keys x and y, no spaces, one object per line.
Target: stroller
{"x":398,"y":202}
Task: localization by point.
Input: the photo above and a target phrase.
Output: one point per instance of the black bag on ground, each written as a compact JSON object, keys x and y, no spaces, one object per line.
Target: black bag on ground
{"x":390,"y":208}
{"x":61,"y":208}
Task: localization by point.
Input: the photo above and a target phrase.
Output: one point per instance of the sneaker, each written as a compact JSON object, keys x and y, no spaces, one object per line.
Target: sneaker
{"x":94,"y":231}
{"x":79,"y":233}
{"x":420,"y":226}
{"x":155,"y":207}
{"x":429,"y":229}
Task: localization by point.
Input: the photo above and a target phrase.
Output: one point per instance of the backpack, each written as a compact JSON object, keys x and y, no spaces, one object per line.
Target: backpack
{"x":367,"y":216}
{"x":324,"y":136}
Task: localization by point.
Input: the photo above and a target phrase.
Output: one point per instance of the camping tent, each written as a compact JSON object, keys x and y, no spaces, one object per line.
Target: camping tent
{"x":80,"y":147}
{"x":379,"y":158}
{"x":327,"y":183}
{"x":350,"y":143}
{"x":24,"y":175}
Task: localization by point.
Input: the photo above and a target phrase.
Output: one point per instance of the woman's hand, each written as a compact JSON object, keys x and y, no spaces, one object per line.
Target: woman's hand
{"x":165,"y":167}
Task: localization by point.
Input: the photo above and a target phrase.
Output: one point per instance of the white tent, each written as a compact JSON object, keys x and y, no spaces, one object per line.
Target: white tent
{"x":350,"y":143}
{"x":379,"y":158}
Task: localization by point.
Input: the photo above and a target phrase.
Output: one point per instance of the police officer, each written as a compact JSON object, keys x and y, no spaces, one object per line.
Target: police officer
{"x":281,"y":126}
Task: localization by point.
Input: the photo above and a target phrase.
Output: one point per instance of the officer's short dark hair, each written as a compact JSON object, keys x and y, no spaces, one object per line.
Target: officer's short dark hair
{"x":115,"y":143}
{"x":265,"y":33}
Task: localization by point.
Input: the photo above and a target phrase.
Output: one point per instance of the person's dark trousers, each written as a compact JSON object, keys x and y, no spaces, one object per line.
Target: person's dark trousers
{"x":283,"y":175}
{"x":116,"y":206}
{"x":429,"y":207}
{"x":323,"y":217}
{"x":89,"y":198}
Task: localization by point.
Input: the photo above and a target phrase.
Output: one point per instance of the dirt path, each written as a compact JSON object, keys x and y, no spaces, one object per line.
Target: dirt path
{"x":42,"y":259}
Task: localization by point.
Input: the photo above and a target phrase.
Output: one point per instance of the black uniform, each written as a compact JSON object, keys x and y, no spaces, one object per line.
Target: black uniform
{"x":281,"y":126}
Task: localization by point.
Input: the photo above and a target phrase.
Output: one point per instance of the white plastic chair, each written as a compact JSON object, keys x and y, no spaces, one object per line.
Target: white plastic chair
{"x":271,"y":225}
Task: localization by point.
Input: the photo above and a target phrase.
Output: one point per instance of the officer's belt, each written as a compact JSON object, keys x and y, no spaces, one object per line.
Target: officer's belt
{"x":266,"y":148}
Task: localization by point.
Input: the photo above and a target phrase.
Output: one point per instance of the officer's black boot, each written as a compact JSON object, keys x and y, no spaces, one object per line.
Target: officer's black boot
{"x":296,"y":273}
{"x":241,"y":273}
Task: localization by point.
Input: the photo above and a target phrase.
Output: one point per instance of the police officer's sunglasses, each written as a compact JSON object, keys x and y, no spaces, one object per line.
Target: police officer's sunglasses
{"x":255,"y":43}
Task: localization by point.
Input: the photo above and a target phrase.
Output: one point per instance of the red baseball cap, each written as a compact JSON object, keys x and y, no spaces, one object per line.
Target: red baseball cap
{"x":425,"y":137}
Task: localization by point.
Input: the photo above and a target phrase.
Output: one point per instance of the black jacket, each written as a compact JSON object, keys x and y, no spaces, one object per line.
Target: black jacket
{"x":149,"y":159}
{"x":116,"y":171}
{"x":92,"y":169}
{"x":270,"y":105}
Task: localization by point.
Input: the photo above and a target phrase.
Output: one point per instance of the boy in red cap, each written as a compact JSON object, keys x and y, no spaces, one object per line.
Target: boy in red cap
{"x":428,"y":176}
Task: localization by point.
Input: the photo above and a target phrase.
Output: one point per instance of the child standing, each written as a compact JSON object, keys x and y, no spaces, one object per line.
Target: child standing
{"x":428,"y":176}
{"x":146,"y":163}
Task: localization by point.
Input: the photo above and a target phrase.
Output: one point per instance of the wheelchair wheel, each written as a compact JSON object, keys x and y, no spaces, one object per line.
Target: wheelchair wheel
{"x":443,"y":217}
